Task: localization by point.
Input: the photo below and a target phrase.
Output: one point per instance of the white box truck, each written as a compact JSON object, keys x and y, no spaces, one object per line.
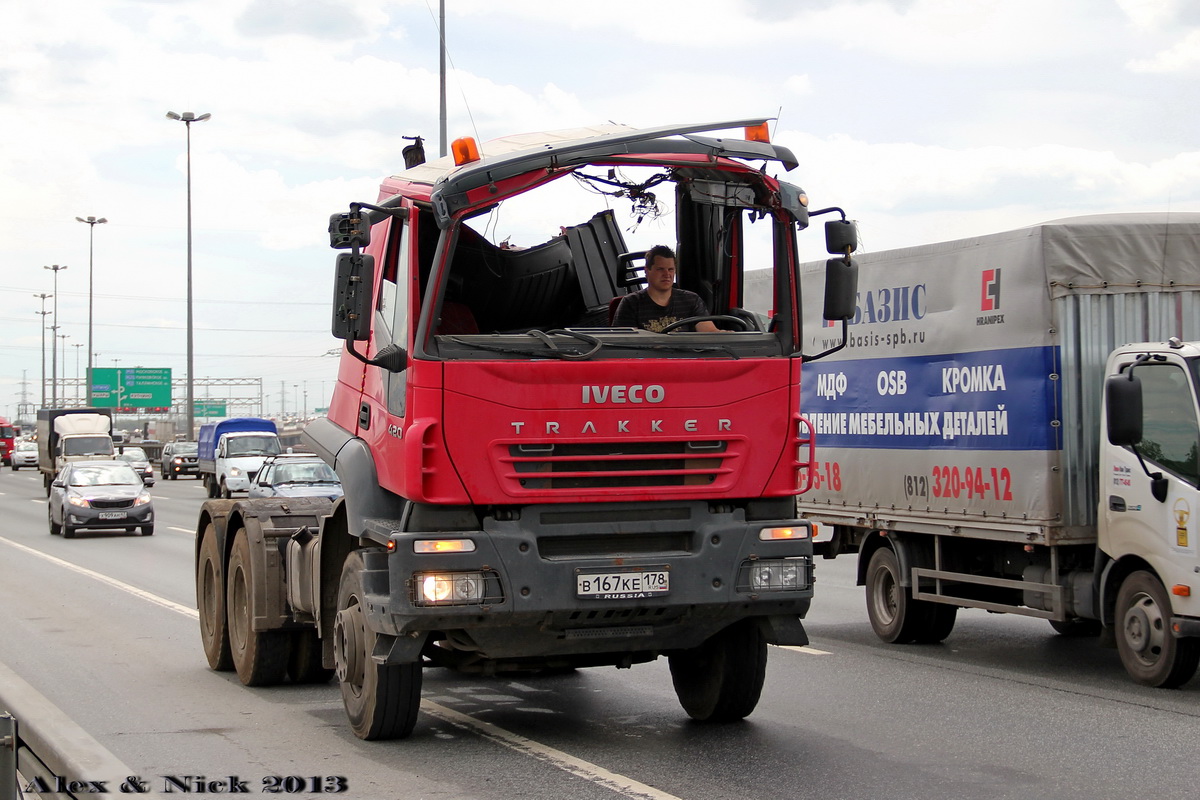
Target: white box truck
{"x":1013,"y":427}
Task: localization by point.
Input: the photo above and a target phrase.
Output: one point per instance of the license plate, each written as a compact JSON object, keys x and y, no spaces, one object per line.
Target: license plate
{"x":622,"y":585}
{"x":112,"y":515}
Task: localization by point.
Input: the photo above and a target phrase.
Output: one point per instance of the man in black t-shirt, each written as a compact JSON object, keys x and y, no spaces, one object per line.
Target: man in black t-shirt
{"x":661,"y":302}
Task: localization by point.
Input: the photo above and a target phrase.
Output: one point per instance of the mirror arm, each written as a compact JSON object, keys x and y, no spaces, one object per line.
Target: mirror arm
{"x":845,"y":339}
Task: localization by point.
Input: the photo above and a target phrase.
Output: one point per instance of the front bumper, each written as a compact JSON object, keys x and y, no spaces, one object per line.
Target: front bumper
{"x":186,"y":468}
{"x":533,"y":559}
{"x":90,"y":518}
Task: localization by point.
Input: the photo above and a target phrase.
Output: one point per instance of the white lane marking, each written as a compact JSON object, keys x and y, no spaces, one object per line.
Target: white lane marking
{"x":125,"y":587}
{"x":181,"y":530}
{"x":613,"y":781}
{"x":812,"y":651}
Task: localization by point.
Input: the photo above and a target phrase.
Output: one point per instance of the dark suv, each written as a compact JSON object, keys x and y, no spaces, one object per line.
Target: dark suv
{"x":178,"y":458}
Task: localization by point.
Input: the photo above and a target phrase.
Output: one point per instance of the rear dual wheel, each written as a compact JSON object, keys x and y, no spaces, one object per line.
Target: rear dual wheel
{"x":895,"y":616}
{"x":260,"y":657}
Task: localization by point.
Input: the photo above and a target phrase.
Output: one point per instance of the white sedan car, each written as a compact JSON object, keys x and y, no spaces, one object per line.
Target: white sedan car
{"x":25,"y":454}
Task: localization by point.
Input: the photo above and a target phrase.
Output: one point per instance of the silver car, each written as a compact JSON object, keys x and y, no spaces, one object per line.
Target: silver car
{"x":25,"y":454}
{"x":99,"y":495}
{"x":138,"y":459}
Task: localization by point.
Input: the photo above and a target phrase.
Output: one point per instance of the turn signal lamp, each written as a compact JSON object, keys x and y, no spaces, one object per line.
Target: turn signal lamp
{"x":443,"y":546}
{"x":781,"y":534}
{"x":758,"y":133}
{"x":465,"y":150}
{"x":1181,"y":590}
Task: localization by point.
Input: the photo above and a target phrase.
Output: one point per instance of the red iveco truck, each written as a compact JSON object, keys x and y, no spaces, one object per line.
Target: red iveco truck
{"x":527,"y":486}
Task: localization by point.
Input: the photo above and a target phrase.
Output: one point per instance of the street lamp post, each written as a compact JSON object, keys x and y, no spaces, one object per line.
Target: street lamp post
{"x":54,"y":350}
{"x":64,"y":337}
{"x":187,"y":118}
{"x":78,"y":393}
{"x":43,"y":314}
{"x":92,"y":222}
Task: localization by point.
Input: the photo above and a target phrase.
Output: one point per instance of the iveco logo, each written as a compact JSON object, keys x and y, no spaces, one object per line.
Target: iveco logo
{"x":637,"y":393}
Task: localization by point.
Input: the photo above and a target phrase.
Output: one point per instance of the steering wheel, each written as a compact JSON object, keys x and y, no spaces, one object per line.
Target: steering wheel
{"x":741,"y":324}
{"x":748,"y":316}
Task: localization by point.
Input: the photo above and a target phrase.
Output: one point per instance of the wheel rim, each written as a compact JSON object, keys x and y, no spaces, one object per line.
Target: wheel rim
{"x":883,"y":596}
{"x":239,"y":616}
{"x":1144,"y":628}
{"x":348,"y":635}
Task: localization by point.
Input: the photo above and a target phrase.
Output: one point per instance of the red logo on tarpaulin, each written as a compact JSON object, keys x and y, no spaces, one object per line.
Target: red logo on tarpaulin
{"x":990,"y":299}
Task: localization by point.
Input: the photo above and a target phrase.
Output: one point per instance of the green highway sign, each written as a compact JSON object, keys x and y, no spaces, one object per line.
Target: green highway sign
{"x":131,"y":388}
{"x":206,"y":408}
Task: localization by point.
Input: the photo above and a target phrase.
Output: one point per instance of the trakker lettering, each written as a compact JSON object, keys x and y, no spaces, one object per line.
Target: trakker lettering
{"x":637,"y":393}
{"x":621,"y":426}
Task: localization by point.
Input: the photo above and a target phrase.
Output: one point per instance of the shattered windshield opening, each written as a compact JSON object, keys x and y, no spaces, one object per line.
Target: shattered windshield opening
{"x":542,"y":274}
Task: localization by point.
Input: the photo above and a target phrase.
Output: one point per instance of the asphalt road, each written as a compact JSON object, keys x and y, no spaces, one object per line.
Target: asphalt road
{"x":104,"y":626}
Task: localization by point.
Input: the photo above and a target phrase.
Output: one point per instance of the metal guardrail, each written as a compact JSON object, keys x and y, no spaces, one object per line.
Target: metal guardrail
{"x":44,"y":753}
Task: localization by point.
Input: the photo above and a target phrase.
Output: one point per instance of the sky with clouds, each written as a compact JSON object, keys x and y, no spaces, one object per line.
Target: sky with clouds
{"x":925,"y":119}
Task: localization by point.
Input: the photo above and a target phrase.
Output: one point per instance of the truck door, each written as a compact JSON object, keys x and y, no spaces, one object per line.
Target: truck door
{"x":1164,"y":533}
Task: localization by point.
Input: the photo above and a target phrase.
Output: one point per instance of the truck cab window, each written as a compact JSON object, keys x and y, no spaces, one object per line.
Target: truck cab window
{"x":1171,"y":436}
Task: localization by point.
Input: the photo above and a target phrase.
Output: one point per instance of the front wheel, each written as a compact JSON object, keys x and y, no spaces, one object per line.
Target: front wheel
{"x":381,"y":700}
{"x":260,"y":657}
{"x":1150,"y":652}
{"x":722,"y":679}
{"x":224,"y":491}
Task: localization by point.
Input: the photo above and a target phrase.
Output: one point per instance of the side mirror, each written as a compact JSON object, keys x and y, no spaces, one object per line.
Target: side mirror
{"x":841,"y":237}
{"x":841,"y":288}
{"x":349,"y":230}
{"x":1123,"y":403}
{"x":352,"y":297}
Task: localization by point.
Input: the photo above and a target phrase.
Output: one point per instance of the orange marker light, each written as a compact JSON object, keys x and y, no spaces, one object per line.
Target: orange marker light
{"x":1181,"y":590}
{"x":465,"y":151}
{"x":443,"y":546}
{"x":780,"y":534}
{"x":758,"y":133}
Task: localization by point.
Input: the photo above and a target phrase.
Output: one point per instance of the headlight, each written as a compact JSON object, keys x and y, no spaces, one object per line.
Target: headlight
{"x":775,"y":575}
{"x":235,"y":472}
{"x":142,"y":499}
{"x":76,"y":500}
{"x":456,"y":588}
{"x":178,"y":460}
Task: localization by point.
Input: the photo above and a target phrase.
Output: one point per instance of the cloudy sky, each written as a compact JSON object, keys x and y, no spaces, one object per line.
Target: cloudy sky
{"x":925,"y":119}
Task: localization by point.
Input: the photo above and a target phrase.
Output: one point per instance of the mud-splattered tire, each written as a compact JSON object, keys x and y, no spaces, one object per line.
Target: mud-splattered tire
{"x":210,"y":600}
{"x":260,"y":657}
{"x":381,"y":701}
{"x":304,"y":662}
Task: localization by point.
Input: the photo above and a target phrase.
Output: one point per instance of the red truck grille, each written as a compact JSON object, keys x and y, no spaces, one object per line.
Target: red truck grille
{"x":572,"y":466}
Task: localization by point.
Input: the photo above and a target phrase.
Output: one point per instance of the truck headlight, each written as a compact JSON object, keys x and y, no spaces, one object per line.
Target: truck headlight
{"x":775,"y":575}
{"x":235,"y":472}
{"x":456,"y":588}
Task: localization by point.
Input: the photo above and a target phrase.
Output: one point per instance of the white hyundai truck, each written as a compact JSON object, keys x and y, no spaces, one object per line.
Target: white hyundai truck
{"x":1013,"y":426}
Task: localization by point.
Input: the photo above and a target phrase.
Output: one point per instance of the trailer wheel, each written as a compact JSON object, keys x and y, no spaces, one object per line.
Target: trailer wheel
{"x":895,"y":616}
{"x":210,"y":600}
{"x":1150,"y":652}
{"x":381,"y":700}
{"x":260,"y":657}
{"x":721,"y":680}
{"x":304,"y":663}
